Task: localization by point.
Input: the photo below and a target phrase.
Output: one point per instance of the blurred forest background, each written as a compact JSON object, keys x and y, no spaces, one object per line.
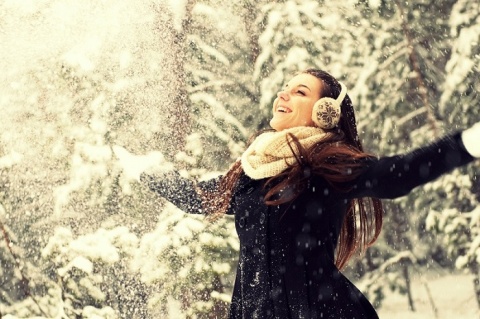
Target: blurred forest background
{"x":194,"y":79}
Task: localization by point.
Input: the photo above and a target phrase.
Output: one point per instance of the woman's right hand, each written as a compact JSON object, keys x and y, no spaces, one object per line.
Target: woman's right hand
{"x":133,"y":165}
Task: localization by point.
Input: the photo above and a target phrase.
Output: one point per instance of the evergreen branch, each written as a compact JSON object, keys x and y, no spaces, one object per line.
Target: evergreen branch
{"x":19,"y":267}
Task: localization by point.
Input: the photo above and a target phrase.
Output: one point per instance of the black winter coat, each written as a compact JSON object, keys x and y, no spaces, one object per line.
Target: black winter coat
{"x":286,"y":266}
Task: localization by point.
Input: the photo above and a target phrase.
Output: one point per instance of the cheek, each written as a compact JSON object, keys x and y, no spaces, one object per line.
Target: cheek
{"x":275,"y":102}
{"x":307,"y":113}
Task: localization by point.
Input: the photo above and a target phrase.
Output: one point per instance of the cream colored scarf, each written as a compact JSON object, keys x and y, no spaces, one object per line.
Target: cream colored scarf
{"x":269,"y":154}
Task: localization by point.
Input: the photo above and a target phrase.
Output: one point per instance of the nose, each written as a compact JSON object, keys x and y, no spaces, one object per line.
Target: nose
{"x":283,"y":95}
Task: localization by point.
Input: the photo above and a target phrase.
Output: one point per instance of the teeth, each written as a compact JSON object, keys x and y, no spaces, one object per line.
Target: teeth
{"x":283,"y":109}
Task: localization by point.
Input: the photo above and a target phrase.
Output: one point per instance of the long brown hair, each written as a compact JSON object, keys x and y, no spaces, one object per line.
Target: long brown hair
{"x":337,"y":159}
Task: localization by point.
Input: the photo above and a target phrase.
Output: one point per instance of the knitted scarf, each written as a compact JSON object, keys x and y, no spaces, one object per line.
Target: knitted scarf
{"x":269,"y":154}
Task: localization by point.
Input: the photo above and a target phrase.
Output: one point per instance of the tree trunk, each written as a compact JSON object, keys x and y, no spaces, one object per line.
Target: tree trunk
{"x":397,"y":229}
{"x":413,"y":57}
{"x":176,"y":105}
{"x":220,"y":309}
{"x":474,"y":269}
{"x":249,"y":19}
{"x":406,"y":276}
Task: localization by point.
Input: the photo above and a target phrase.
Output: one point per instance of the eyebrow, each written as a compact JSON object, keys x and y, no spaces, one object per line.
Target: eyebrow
{"x":301,"y":85}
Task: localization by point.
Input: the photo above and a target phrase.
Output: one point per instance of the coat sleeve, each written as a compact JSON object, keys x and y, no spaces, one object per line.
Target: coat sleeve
{"x":396,"y":176}
{"x":178,"y":190}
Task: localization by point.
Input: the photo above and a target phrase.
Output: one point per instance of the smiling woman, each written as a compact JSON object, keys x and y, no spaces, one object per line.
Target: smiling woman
{"x":306,"y":197}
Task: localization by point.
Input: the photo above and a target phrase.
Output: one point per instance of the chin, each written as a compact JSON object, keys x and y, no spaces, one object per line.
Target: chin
{"x":272,"y":124}
{"x":276,"y":126}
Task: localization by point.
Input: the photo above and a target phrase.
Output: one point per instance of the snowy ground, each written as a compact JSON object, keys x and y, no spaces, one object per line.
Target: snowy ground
{"x":453,"y":297}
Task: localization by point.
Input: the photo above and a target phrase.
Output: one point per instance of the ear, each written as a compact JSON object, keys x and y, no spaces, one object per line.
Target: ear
{"x":326,"y":111}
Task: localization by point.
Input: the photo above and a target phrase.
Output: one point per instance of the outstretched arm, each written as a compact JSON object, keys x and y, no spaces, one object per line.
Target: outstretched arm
{"x":396,"y":176}
{"x":178,"y":190}
{"x":161,"y":177}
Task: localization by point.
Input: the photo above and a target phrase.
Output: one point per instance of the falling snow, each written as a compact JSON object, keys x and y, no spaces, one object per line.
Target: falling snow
{"x":90,"y":87}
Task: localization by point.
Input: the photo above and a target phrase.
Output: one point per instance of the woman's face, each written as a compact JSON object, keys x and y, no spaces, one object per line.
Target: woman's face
{"x":293,"y":105}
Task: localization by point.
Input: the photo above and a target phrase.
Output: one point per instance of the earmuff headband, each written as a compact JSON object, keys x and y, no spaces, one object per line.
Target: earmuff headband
{"x":343,"y":93}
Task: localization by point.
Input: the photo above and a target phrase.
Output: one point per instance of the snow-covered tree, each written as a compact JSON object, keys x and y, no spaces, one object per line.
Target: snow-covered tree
{"x":194,"y":83}
{"x":200,"y":256}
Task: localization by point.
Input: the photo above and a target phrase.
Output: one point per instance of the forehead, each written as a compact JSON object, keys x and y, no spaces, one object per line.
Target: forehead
{"x":312,"y":82}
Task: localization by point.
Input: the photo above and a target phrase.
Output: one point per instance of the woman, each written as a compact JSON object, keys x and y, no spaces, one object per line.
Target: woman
{"x":306,"y":197}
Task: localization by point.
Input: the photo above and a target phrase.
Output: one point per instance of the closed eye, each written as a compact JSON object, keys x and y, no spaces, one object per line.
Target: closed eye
{"x":301,"y":92}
